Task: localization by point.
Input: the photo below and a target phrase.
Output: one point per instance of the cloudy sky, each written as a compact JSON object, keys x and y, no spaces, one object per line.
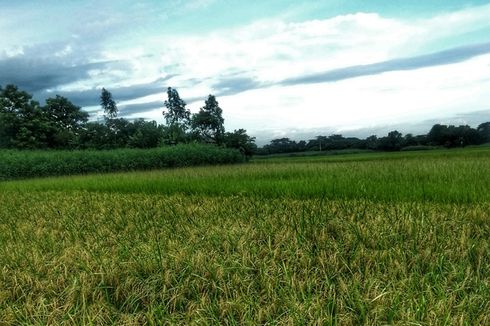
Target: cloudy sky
{"x":278,"y":67}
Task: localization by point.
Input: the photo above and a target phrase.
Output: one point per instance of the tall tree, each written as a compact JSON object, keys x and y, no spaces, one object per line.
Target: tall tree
{"x":108,"y":104}
{"x":208,"y":123}
{"x":177,"y":117}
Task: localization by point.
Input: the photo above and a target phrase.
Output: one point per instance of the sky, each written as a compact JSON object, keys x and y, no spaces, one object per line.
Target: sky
{"x":279,"y":68}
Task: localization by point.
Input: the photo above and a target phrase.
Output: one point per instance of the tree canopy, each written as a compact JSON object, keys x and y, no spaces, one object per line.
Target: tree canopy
{"x":208,"y":123}
{"x":60,"y":124}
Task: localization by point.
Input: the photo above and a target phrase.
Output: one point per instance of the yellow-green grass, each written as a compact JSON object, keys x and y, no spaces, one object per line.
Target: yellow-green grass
{"x":401,"y":239}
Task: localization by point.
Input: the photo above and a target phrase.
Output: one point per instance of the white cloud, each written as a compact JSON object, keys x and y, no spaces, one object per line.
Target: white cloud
{"x":272,"y":50}
{"x":385,"y":99}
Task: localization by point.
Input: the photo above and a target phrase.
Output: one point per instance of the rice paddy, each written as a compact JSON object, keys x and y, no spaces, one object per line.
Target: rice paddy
{"x":368,"y":238}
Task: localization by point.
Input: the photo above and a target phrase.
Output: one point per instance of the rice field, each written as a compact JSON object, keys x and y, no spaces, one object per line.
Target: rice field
{"x":369,"y":238}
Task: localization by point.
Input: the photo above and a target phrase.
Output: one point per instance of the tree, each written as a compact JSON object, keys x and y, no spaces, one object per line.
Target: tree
{"x":437,"y":134}
{"x":282,"y":145}
{"x":484,"y":131}
{"x":108,"y":104}
{"x":240,"y":140}
{"x":177,"y":117}
{"x":65,"y":122}
{"x":147,"y":134}
{"x":452,"y":136}
{"x":208,"y":123}
{"x":392,"y":142}
{"x":22,"y":122}
{"x":95,"y":135}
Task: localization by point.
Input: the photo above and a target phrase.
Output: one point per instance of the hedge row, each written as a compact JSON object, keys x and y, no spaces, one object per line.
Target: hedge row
{"x":27,"y":164}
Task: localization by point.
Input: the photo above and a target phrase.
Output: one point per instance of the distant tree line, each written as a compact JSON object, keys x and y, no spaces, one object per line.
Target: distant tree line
{"x":60,"y":124}
{"x":439,"y":135}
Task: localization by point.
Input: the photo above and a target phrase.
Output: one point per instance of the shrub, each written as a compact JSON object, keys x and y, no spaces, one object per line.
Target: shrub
{"x":27,"y":164}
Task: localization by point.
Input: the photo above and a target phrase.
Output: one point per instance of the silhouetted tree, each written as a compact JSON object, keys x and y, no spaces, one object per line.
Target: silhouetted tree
{"x":176,"y":116}
{"x":108,"y":104}
{"x":208,"y":123}
{"x":392,"y":142}
{"x":484,"y":131}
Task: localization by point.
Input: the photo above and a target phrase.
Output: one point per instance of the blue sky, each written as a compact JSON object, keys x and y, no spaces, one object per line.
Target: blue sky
{"x":278,"y":68}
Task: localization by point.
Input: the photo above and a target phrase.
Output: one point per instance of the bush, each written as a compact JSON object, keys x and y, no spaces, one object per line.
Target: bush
{"x":27,"y":164}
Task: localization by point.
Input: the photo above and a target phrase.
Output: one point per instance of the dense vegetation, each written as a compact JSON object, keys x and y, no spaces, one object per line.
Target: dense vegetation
{"x":29,"y":164}
{"x":399,"y":238}
{"x":60,"y":124}
{"x":438,"y":136}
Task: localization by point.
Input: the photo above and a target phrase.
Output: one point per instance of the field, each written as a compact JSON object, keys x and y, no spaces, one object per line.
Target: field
{"x":367,"y":238}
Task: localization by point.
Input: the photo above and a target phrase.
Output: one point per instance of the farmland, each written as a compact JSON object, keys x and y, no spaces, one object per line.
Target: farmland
{"x":367,"y":238}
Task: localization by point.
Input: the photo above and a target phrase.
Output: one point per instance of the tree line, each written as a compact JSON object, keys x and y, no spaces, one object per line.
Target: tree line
{"x":439,"y":135}
{"x":60,"y":124}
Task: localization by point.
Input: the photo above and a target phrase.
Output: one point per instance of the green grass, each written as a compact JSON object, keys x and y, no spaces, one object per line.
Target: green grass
{"x":458,"y":176}
{"x":372,"y":238}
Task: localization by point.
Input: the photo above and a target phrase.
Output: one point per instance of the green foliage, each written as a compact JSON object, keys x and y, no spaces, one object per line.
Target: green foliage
{"x":148,"y":134}
{"x":452,"y":136}
{"x":484,"y":132}
{"x":178,"y":118}
{"x":22,"y":122}
{"x":445,"y":176}
{"x":96,"y":136}
{"x":29,"y":164}
{"x":208,"y":123}
{"x":392,"y":142}
{"x":65,"y":122}
{"x":334,"y":240}
{"x":240,"y":140}
{"x":108,"y":104}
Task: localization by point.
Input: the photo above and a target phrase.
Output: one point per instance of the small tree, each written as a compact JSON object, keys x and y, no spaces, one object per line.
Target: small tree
{"x":177,"y":117}
{"x":208,"y":123}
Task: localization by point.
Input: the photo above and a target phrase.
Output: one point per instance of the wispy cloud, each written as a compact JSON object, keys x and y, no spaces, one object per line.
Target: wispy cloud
{"x":135,"y":109}
{"x":91,"y":97}
{"x":450,"y":56}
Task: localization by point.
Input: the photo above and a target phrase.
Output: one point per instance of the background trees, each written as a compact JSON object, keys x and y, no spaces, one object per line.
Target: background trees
{"x":60,"y":124}
{"x":240,"y":140}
